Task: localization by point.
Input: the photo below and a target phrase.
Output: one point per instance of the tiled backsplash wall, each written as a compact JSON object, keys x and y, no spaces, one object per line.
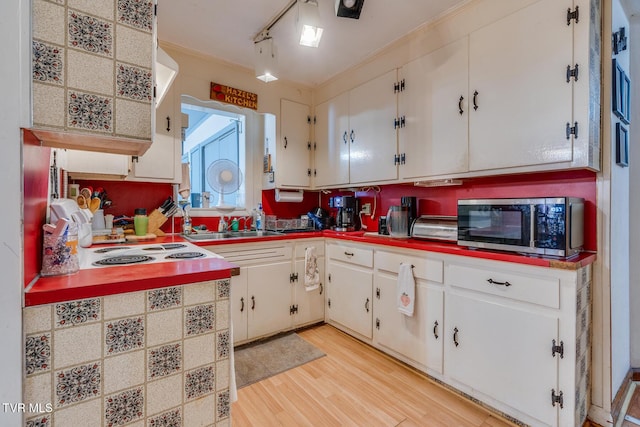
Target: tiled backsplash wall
{"x":150,"y":358}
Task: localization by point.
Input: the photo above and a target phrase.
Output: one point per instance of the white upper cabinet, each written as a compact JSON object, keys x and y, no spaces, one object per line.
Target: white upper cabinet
{"x":356,"y":140}
{"x":162,"y":161}
{"x":521,"y":99}
{"x":433,"y":106}
{"x":292,"y":163}
{"x":373,"y":141}
{"x":520,"y":94}
{"x":332,"y":142}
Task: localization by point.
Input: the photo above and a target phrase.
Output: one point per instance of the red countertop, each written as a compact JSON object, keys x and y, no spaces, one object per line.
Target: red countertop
{"x":573,"y":263}
{"x":117,"y":280}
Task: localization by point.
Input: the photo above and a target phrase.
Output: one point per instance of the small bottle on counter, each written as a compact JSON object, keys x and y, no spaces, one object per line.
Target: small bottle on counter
{"x":186,"y":221}
{"x":140,"y":221}
{"x":260,"y":218}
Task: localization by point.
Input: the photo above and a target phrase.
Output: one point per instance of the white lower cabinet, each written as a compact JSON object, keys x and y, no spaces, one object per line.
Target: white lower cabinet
{"x":238,"y":305}
{"x":308,"y":305}
{"x":350,"y":288}
{"x":269,"y":299}
{"x":517,"y":338}
{"x":268,"y":296}
{"x":504,"y":352}
{"x":414,"y":339}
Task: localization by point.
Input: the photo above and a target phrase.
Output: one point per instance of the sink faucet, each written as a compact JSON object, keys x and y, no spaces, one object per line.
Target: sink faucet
{"x":244,"y":220}
{"x":222,"y":225}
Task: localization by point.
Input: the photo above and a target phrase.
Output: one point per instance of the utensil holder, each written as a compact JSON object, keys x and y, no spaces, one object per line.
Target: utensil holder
{"x":156,"y":220}
{"x":60,"y":253}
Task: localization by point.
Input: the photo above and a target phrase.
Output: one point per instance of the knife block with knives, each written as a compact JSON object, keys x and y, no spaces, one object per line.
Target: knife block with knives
{"x":156,"y":220}
{"x":159,"y":216}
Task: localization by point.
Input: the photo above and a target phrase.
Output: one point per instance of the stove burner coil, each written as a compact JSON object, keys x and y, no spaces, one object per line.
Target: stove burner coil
{"x":170,"y":246}
{"x":124,"y":259}
{"x":185,"y":255}
{"x":113,"y":248}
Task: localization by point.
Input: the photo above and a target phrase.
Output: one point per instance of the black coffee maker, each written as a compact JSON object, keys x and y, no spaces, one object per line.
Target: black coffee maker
{"x":348,"y":216}
{"x":411,"y":203}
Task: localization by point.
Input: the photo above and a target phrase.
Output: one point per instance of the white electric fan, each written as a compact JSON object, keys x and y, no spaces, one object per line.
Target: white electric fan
{"x":224,"y":177}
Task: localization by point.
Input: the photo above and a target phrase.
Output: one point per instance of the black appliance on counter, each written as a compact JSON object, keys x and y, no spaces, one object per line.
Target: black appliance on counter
{"x":382,"y":225}
{"x":348,"y":216}
{"x":320,"y":218}
{"x":411,"y":203}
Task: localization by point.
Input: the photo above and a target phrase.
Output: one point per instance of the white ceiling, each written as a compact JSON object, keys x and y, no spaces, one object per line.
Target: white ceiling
{"x":225,"y":29}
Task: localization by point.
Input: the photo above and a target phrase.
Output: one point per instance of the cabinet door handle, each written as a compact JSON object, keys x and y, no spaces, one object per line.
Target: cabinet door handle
{"x":460,"y":110}
{"x":493,"y":282}
{"x":168,"y":124}
{"x":241,"y":304}
{"x":285,"y":142}
{"x":435,"y":329}
{"x":455,"y":336}
{"x":344,"y":137}
{"x":253,"y":302}
{"x":352,"y":135}
{"x":475,"y":99}
{"x":349,"y":254}
{"x":366,"y":305}
{"x":321,"y":288}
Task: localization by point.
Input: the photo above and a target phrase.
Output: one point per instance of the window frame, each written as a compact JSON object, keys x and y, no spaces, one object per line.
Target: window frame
{"x":253,"y":137}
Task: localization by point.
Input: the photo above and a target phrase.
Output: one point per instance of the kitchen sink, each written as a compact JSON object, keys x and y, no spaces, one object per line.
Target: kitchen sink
{"x":228,"y":235}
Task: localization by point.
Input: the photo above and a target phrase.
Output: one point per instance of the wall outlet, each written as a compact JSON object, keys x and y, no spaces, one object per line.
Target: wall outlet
{"x":366,"y":209}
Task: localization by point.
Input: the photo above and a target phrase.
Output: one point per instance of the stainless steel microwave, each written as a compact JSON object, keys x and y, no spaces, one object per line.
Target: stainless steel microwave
{"x":551,"y":226}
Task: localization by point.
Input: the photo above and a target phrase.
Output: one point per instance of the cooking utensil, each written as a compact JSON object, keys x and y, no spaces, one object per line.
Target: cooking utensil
{"x":86,"y":192}
{"x":82,"y":202}
{"x":94,"y":205}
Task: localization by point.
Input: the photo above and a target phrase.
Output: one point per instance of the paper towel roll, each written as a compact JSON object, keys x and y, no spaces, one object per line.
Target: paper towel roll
{"x":289,"y":196}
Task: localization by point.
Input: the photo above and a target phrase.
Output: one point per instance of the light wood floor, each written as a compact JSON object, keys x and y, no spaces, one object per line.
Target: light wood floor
{"x":633,"y":409}
{"x":354,"y":385}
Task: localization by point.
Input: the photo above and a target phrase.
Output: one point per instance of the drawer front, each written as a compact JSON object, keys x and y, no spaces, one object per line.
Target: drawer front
{"x":518,"y":286}
{"x":246,"y":256}
{"x":423,"y":268}
{"x":351,"y":255}
{"x":302,"y":247}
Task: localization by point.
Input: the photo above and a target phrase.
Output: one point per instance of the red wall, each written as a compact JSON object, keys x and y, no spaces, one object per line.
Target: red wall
{"x":127,"y":196}
{"x":36,"y":187}
{"x":443,"y":200}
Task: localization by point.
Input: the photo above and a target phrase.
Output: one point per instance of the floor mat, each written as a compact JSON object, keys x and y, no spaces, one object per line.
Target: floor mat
{"x":257,"y":361}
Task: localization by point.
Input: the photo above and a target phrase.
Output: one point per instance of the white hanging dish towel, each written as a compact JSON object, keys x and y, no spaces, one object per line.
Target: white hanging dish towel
{"x":311,"y":272}
{"x":406,"y":289}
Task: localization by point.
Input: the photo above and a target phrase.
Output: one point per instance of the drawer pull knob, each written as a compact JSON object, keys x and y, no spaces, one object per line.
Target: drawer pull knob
{"x":493,"y":282}
{"x":348,"y":253}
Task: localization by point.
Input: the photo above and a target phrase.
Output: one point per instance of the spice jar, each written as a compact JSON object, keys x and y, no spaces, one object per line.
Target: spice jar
{"x":140,"y":221}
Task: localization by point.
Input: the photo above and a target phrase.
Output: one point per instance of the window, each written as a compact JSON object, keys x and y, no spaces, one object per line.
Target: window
{"x":220,"y":132}
{"x":214,"y":135}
